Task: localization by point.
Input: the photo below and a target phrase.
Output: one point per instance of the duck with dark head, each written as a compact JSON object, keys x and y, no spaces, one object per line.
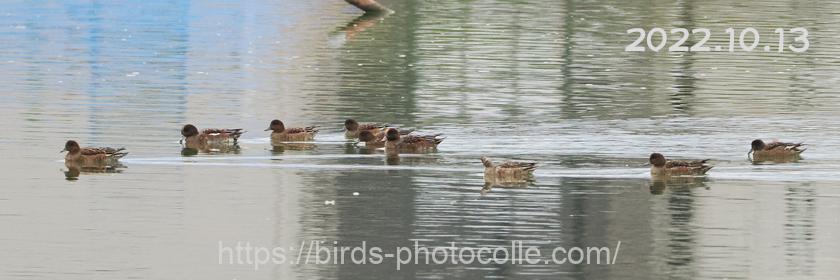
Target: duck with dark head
{"x":91,"y":156}
{"x":371,"y":140}
{"x":508,"y":173}
{"x":396,"y":143}
{"x":352,"y":128}
{"x":775,"y":151}
{"x":661,"y":166}
{"x":194,"y":138}
{"x":281,"y":133}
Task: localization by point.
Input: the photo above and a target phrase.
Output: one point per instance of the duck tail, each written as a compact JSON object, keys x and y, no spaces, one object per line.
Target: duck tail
{"x":705,"y":169}
{"x":486,"y":162}
{"x":235,"y":133}
{"x":119,"y":155}
{"x":530,"y":167}
{"x":405,"y":131}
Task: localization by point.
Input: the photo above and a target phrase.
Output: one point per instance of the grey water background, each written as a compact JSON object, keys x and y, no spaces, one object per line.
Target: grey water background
{"x":536,"y":80}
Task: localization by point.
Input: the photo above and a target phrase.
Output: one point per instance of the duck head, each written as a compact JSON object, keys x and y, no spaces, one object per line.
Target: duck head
{"x":392,"y":134}
{"x":657,"y":159}
{"x":189,"y":130}
{"x":276,"y":126}
{"x":758,"y":145}
{"x":351,"y":125}
{"x":71,"y":147}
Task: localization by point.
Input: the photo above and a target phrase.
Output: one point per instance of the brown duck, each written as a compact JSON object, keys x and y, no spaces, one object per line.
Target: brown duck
{"x":91,"y":156}
{"x":775,"y":150}
{"x":661,"y":166}
{"x":396,"y":143}
{"x":352,"y":128}
{"x":372,"y":140}
{"x":279,"y":132}
{"x":508,"y":171}
{"x":194,"y":138}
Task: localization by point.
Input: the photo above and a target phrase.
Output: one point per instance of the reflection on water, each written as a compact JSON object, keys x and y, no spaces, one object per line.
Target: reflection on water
{"x":210,"y":148}
{"x":546,"y":81}
{"x":189,"y":151}
{"x":361,"y":23}
{"x":489,"y":185}
{"x":776,"y":160}
{"x":75,"y":170}
{"x":279,"y":147}
{"x":660,"y":184}
{"x":799,"y":230}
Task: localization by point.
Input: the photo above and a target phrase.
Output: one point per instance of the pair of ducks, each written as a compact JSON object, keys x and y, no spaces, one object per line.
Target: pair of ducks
{"x":759,"y":151}
{"x":394,"y":140}
{"x":193,"y":137}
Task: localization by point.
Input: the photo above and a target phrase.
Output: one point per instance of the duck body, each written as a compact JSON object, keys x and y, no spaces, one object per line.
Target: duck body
{"x":373,"y":139}
{"x":279,"y":132}
{"x":298,"y":134}
{"x":91,"y":156}
{"x":664,"y":167}
{"x":195,"y":138}
{"x":775,"y":150}
{"x":396,"y":143}
{"x":352,"y":128}
{"x":508,"y":171}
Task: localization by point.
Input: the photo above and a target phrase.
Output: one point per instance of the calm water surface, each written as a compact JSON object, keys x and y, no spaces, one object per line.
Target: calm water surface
{"x":539,"y":80}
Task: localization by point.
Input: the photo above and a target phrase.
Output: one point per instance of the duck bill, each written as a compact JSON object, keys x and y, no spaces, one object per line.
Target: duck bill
{"x":63,"y":150}
{"x":267,"y":129}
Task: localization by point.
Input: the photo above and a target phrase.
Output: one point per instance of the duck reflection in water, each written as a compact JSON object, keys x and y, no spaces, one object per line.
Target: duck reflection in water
{"x":210,"y":148}
{"x":278,"y":147}
{"x":392,"y":159}
{"x":508,"y":174}
{"x":659,"y":184}
{"x":411,"y":159}
{"x":74,"y":170}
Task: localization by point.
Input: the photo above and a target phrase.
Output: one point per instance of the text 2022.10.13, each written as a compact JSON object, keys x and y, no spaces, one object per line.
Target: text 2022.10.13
{"x":748,"y":39}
